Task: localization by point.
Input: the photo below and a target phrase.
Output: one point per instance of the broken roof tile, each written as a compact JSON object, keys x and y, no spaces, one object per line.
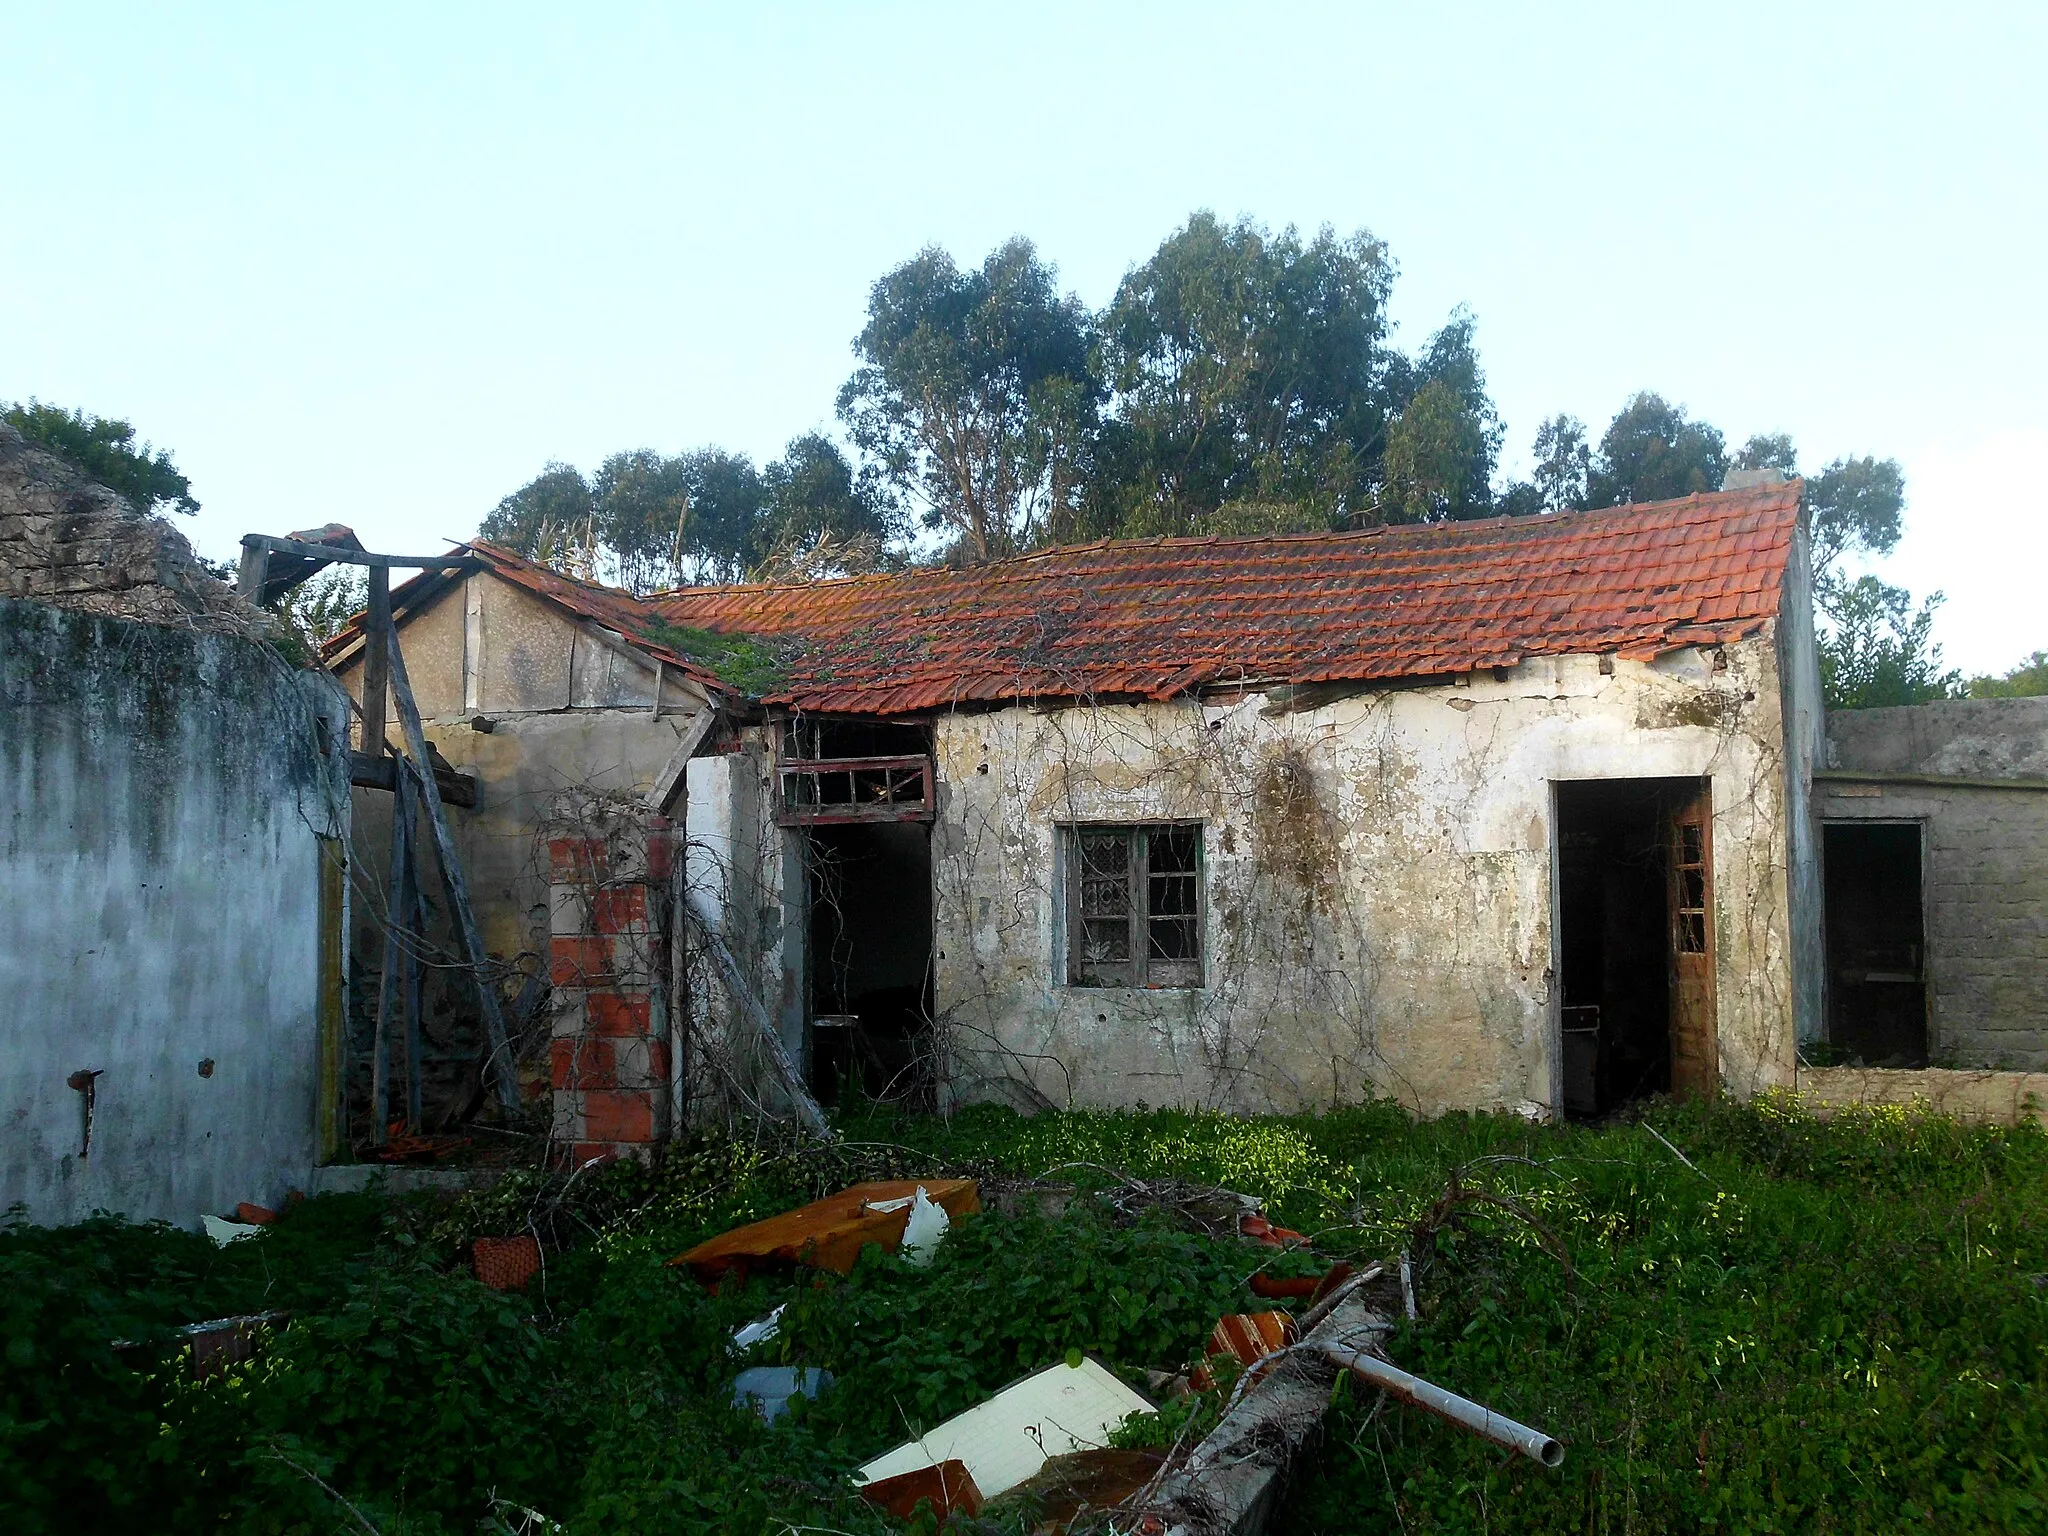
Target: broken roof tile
{"x":1154,"y":618}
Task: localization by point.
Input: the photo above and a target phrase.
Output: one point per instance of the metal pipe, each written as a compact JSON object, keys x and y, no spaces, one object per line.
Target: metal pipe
{"x":1498,"y":1428}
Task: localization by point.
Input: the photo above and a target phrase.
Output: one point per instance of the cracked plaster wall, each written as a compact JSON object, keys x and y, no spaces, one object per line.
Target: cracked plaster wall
{"x":165,"y":808}
{"x":1377,"y":884}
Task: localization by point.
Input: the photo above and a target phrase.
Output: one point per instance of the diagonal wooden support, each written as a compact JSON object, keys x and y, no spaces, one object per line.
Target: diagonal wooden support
{"x":405,"y":801}
{"x":396,"y":916}
{"x":757,"y":1014}
{"x":499,"y":1066}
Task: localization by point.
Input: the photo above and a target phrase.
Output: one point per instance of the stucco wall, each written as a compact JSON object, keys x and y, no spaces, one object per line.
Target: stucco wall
{"x":568,"y":715}
{"x":1805,"y":735}
{"x":746,"y":874}
{"x":1378,"y":883}
{"x":165,"y":802}
{"x":2003,"y":1098}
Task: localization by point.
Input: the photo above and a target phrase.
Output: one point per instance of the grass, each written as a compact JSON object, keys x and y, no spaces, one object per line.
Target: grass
{"x":1819,"y":1326}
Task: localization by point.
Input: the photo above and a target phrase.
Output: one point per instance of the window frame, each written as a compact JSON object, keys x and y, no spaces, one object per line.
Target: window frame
{"x":1142,"y":970}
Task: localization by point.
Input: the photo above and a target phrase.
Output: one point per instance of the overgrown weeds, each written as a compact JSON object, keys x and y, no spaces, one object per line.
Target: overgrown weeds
{"x":1837,"y":1326}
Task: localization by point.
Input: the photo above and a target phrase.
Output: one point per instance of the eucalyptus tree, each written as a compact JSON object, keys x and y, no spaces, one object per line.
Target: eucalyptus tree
{"x":973,"y":397}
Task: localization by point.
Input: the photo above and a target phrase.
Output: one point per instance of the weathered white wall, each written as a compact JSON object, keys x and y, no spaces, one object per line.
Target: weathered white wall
{"x":1378,"y":883}
{"x":163,"y":797}
{"x":1805,"y":737}
{"x":747,"y":874}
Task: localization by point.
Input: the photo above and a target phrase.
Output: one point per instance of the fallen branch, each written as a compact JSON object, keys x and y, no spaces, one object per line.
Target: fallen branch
{"x":321,"y":1483}
{"x":1673,"y":1150}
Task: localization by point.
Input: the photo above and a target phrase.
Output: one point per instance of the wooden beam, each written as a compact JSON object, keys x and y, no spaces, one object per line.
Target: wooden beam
{"x":367,"y":772}
{"x":413,"y":917}
{"x":669,"y":781}
{"x":263,"y":543}
{"x":500,"y":1064}
{"x":376,"y":670}
{"x":397,"y":908}
{"x":744,"y":999}
{"x":249,"y":579}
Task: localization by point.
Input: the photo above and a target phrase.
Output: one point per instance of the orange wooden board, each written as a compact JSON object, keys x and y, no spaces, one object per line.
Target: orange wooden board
{"x":828,"y":1233}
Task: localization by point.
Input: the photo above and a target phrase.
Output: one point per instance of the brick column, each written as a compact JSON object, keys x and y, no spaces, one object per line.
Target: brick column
{"x":609,"y":1061}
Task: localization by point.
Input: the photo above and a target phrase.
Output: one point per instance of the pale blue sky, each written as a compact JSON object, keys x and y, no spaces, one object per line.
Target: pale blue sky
{"x":378,"y":265}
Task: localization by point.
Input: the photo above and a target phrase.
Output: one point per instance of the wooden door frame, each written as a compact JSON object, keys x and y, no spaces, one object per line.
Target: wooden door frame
{"x":1678,"y":816}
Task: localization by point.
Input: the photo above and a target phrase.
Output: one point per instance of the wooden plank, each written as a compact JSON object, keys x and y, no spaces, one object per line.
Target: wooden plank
{"x":742,"y":994}
{"x":376,"y":670}
{"x":396,"y":907}
{"x":668,"y":783}
{"x":255,"y":564}
{"x":367,"y":772}
{"x":262,"y":542}
{"x":410,"y":972}
{"x":500,"y":1064}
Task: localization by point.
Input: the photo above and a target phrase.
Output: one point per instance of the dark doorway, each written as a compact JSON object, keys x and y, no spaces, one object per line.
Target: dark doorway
{"x":1877,"y":984}
{"x":871,"y":961}
{"x":1634,"y":941}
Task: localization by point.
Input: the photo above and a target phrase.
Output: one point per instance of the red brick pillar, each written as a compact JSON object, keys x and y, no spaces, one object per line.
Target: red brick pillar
{"x":609,"y":1055}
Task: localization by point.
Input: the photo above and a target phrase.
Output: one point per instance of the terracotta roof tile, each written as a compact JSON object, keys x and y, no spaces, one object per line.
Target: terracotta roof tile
{"x":1156,"y":617}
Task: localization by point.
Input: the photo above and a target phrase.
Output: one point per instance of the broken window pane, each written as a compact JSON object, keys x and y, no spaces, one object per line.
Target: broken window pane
{"x":1692,"y":933}
{"x":1130,"y":881}
{"x":1691,"y":843}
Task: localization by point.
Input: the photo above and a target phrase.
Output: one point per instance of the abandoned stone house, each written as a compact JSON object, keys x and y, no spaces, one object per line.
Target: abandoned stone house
{"x":1516,"y":813}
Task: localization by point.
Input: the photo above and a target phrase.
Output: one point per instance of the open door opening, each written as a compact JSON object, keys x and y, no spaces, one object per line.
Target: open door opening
{"x":871,"y":962}
{"x":1635,"y":941}
{"x":1877,"y":984}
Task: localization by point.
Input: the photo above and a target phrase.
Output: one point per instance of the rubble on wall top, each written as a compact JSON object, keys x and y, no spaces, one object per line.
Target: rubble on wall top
{"x":69,"y":542}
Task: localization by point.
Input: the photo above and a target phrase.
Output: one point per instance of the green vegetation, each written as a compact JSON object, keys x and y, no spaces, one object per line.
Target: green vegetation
{"x":756,"y":667}
{"x":2028,"y":680}
{"x":107,"y":451}
{"x":1829,"y":1326}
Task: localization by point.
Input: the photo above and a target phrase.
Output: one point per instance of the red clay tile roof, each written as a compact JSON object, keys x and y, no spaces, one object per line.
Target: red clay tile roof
{"x":608,"y":606}
{"x":1154,"y":618}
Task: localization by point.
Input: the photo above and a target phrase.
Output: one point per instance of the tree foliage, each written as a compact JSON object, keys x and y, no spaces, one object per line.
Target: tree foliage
{"x":1653,"y":451}
{"x":105,"y":448}
{"x":647,"y":520}
{"x":1877,"y":648}
{"x":1239,"y":381}
{"x":973,"y":397}
{"x":1246,"y":367}
{"x":2028,"y":680}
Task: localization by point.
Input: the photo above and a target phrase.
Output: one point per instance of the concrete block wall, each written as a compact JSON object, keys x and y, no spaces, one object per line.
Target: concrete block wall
{"x":1986,"y":869}
{"x":610,"y":1052}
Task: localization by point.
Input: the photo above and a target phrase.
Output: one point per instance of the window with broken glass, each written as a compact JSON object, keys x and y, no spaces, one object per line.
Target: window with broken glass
{"x":1134,"y":905}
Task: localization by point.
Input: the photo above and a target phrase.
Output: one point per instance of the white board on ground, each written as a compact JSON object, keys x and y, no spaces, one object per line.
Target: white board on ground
{"x":1008,"y":1438}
